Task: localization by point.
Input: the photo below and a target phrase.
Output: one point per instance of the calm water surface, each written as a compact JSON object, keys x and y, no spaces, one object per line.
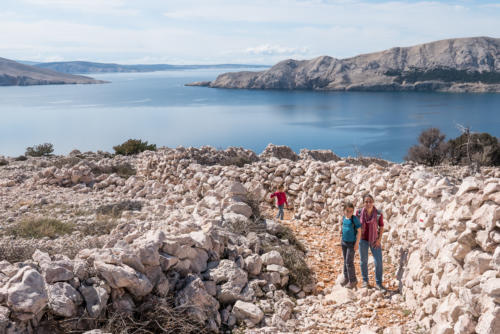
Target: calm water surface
{"x":157,"y":107}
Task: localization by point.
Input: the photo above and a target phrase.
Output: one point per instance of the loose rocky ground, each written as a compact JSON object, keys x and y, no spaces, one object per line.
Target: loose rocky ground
{"x":189,"y":233}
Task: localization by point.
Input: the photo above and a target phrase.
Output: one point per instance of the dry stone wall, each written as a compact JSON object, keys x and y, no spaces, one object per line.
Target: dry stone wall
{"x":442,"y":227}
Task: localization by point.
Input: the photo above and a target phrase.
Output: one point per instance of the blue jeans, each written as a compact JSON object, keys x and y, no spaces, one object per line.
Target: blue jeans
{"x":377,"y":257}
{"x":280,"y":212}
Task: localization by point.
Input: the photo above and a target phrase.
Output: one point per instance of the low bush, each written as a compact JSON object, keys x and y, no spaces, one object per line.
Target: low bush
{"x":134,"y":146}
{"x":481,"y":148}
{"x":41,"y":150}
{"x":295,"y":261}
{"x":3,"y":162}
{"x":40,"y":228}
{"x":124,"y":170}
{"x":431,"y":150}
{"x":286,"y":233}
{"x":21,"y":158}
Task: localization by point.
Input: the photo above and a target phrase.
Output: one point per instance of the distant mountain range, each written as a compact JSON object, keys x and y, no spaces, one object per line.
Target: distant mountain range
{"x":16,"y":74}
{"x":26,"y":73}
{"x":452,"y":65}
{"x":85,"y":67}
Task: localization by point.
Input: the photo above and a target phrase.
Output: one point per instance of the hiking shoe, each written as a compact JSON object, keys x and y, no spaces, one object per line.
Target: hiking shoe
{"x":366,"y":285}
{"x":380,"y":287}
{"x":344,"y":282}
{"x":352,"y":285}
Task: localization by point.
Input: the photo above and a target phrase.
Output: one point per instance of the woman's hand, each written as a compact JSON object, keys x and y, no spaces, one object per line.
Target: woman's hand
{"x":377,"y":243}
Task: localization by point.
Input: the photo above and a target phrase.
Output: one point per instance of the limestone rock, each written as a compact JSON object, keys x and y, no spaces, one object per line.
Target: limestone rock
{"x":95,"y":298}
{"x":26,"y":292}
{"x":64,"y":299}
{"x":340,"y":296}
{"x":250,"y":313}
{"x":199,"y":303}
{"x":272,"y":257}
{"x":124,"y":277}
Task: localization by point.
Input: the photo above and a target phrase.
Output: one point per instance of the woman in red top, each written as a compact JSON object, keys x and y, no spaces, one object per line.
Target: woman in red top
{"x":281,"y":196}
{"x":372,"y":227}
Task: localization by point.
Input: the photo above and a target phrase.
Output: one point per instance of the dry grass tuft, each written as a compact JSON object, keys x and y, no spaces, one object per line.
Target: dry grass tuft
{"x":40,"y":228}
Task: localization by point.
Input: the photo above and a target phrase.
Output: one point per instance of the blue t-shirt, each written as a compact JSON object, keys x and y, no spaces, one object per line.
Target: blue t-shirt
{"x":348,"y":230}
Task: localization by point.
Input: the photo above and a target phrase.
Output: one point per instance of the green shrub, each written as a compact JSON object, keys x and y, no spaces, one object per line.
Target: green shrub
{"x":134,"y":146}
{"x":40,"y":228}
{"x":40,"y":150}
{"x":21,"y":158}
{"x":3,"y":162}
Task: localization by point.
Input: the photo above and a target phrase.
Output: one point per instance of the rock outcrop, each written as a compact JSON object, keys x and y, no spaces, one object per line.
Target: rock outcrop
{"x":453,"y":65}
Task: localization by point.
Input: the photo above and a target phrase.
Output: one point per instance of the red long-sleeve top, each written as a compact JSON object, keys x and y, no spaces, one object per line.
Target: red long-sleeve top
{"x":281,"y":197}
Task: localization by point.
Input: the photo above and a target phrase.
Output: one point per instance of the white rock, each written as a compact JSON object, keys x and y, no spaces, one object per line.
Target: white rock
{"x":199,"y":303}
{"x":272,"y":257}
{"x":468,"y":184}
{"x":253,"y":264}
{"x":464,"y":325}
{"x":124,"y":277}
{"x":489,"y":322}
{"x":57,"y":271}
{"x":277,"y":268}
{"x":95,"y":299}
{"x":64,"y":299}
{"x":340,"y":296}
{"x":492,"y":288}
{"x":249,"y":313}
{"x":26,"y":292}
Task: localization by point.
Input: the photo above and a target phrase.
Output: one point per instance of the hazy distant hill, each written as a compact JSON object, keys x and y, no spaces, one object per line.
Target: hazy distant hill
{"x":90,"y":67}
{"x":15,"y":74}
{"x":453,"y":65}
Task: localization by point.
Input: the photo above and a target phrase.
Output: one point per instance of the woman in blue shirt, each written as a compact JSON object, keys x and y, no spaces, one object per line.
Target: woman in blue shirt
{"x":350,"y":231}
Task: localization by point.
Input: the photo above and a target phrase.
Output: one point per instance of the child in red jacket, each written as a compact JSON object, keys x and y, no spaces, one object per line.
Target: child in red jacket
{"x":281,"y":196}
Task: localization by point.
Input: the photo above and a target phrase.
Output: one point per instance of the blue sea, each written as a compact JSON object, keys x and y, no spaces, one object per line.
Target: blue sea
{"x":157,"y":107}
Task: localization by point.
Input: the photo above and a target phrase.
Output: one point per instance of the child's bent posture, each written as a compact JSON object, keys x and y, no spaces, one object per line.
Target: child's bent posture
{"x":350,"y":239}
{"x":281,"y":196}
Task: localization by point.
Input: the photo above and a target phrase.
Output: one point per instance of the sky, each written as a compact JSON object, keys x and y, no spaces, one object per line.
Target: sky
{"x":230,"y":31}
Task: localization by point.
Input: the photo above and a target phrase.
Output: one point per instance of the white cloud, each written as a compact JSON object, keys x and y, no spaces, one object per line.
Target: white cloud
{"x":268,"y":49}
{"x":216,"y":31}
{"x":115,"y":7}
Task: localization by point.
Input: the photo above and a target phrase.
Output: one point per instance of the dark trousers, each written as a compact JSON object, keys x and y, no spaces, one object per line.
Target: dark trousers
{"x":348,"y":254}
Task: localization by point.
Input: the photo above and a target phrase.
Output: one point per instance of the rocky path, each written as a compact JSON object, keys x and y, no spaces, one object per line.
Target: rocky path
{"x":365,"y":310}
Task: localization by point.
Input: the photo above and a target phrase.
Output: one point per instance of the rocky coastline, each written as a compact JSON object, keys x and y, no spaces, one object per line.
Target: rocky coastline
{"x":457,"y":65}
